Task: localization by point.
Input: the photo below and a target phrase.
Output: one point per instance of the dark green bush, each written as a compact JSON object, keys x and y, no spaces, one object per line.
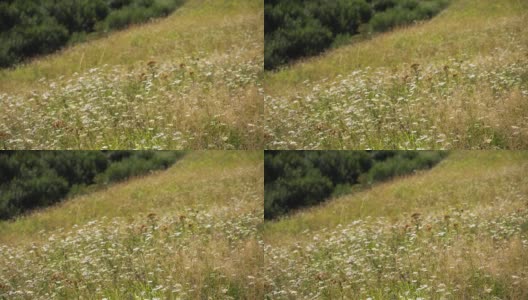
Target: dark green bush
{"x":29,"y":40}
{"x":295,"y":192}
{"x":8,"y":16}
{"x":121,"y":170}
{"x":29,"y":180}
{"x":138,"y":12}
{"x":341,"y":190}
{"x":116,"y":4}
{"x":28,"y":184}
{"x":119,"y":154}
{"x":296,"y":179}
{"x":405,"y":12}
{"x":403,"y":164}
{"x":382,"y":5}
{"x":79,"y":16}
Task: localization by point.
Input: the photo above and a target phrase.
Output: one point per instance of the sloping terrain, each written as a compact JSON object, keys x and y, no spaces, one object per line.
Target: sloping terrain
{"x":189,"y":81}
{"x":458,"y":231}
{"x":458,"y":81}
{"x":189,"y":232}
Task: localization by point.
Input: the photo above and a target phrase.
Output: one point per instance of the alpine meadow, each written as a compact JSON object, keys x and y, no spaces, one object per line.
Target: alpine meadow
{"x":456,"y":81}
{"x":188,"y":232}
{"x":187,"y":81}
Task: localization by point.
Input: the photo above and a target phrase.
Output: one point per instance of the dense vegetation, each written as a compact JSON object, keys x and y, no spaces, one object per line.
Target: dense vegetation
{"x":37,"y":179}
{"x":297,"y":28}
{"x":31,"y":27}
{"x":190,"y":232}
{"x":410,"y":89}
{"x":157,"y":86}
{"x":459,"y":231}
{"x":295,"y":179}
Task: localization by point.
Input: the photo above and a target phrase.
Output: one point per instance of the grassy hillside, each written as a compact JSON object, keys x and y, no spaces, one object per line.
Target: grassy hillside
{"x":189,"y":232}
{"x":185,"y":82}
{"x":459,"y":231}
{"x":458,"y":81}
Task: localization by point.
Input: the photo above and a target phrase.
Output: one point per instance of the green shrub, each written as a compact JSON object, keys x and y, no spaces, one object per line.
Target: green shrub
{"x":124,"y":169}
{"x":164,"y":159}
{"x":404,"y":163}
{"x":341,"y":190}
{"x":293,"y":193}
{"x":119,"y":154}
{"x":27,"y":41}
{"x":6,"y":56}
{"x":122,"y":18}
{"x":341,"y":40}
{"x":164,"y":7}
{"x":382,"y":5}
{"x":8,"y":16}
{"x":405,"y":12}
{"x":34,"y":186}
{"x":116,"y":4}
{"x":136,"y":164}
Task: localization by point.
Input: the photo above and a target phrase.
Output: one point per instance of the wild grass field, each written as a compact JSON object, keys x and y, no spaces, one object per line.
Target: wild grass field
{"x":458,"y":231}
{"x":189,"y":81}
{"x":458,"y":81}
{"x":189,"y":232}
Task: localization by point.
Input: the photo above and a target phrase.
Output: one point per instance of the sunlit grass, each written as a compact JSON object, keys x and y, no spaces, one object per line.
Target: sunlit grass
{"x":189,"y":232}
{"x":190,"y":81}
{"x":458,"y":231}
{"x":455,"y":82}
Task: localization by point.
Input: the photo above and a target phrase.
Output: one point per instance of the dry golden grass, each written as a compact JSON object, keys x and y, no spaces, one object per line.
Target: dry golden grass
{"x":190,"y":81}
{"x":467,"y":27}
{"x":464,"y":178}
{"x":458,"y":231}
{"x":467,"y":89}
{"x":189,"y":232}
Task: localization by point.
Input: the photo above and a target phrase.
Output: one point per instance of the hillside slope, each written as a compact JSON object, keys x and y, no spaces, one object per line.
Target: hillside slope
{"x":458,"y":81}
{"x":458,"y":231}
{"x":187,"y":81}
{"x":188,"y":232}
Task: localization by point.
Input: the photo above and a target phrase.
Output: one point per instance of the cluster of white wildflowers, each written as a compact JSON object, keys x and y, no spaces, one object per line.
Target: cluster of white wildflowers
{"x":450,"y":256}
{"x":462,"y":103}
{"x":194,"y":102}
{"x":191,"y":255}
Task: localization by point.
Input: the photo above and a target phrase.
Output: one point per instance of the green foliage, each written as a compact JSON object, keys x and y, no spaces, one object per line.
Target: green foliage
{"x":29,"y":40}
{"x":29,"y":28}
{"x":406,"y":12}
{"x":403,"y":164}
{"x":298,"y":28}
{"x":29,"y":180}
{"x":295,"y":179}
{"x":135,"y":165}
{"x":138,"y":13}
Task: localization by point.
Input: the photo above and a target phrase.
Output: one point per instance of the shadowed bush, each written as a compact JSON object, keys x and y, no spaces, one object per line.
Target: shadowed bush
{"x":403,"y":164}
{"x":404,"y":13}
